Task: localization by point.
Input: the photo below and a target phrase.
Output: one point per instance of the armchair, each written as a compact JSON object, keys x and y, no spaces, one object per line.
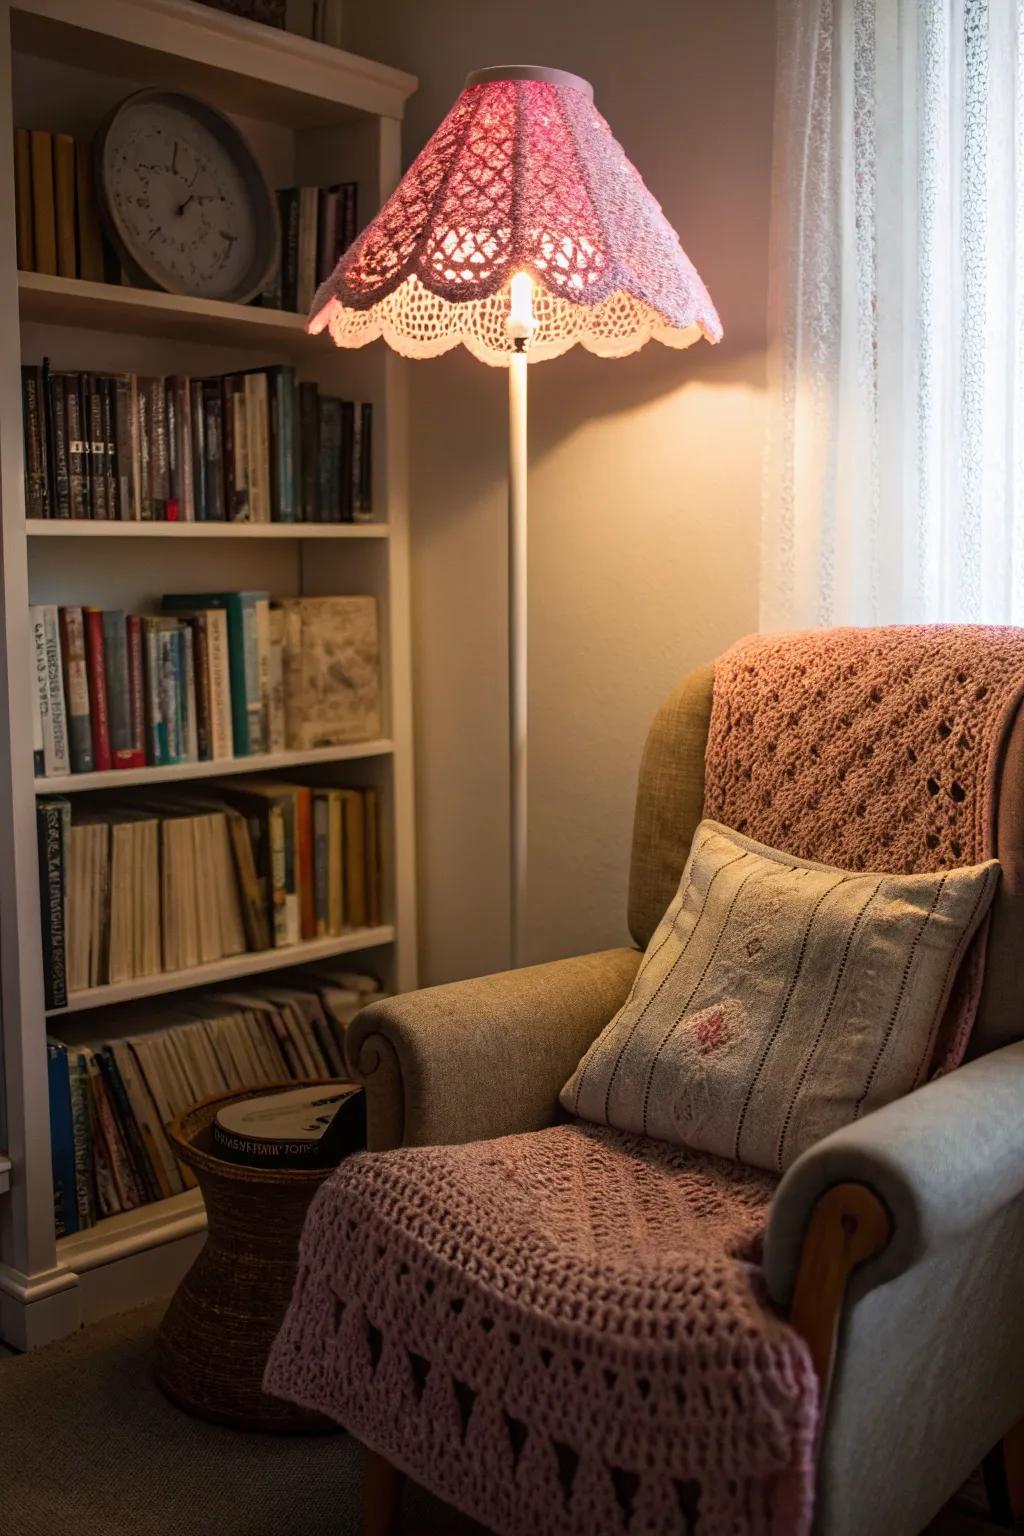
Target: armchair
{"x":895,"y":1246}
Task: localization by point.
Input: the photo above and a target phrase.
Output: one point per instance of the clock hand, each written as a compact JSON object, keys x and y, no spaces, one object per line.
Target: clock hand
{"x":174,"y":158}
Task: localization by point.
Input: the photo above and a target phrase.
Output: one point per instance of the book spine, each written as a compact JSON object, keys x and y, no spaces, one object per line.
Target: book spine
{"x":321,"y":864}
{"x":36,"y":497}
{"x":305,"y":874}
{"x":156,"y":730}
{"x":328,"y":215}
{"x":183,"y":406}
{"x":221,"y":734}
{"x":76,"y":684}
{"x":306,"y":261}
{"x":108,"y":1199}
{"x":23,"y":199}
{"x":158,"y":449}
{"x":78,"y":449}
{"x":213,"y":449}
{"x":309,"y":453}
{"x":144,"y":408}
{"x":142,"y":1173}
{"x":363,"y":511}
{"x":277,"y":855}
{"x":44,"y":213}
{"x":81,"y":1121}
{"x":187,"y":662}
{"x":55,"y":723}
{"x":62,"y":1140}
{"x":42,"y":690}
{"x":128,"y":1193}
{"x":257,"y":447}
{"x":135,"y":446}
{"x":124,"y":451}
{"x":167,"y":650}
{"x":136,"y":690}
{"x":277,"y":739}
{"x":97,"y":447}
{"x":174,"y":511}
{"x":241,"y":481}
{"x":107,"y":400}
{"x":50,"y":826}
{"x":345,"y":460}
{"x":355,"y":479}
{"x":64,"y":194}
{"x":94,"y":664}
{"x":115,"y":659}
{"x":252,"y":673}
{"x":288,"y":207}
{"x":198,"y":410}
{"x":37,"y":657}
{"x":261,"y":610}
{"x":329,"y":488}
{"x":204,"y":712}
{"x":61,"y":487}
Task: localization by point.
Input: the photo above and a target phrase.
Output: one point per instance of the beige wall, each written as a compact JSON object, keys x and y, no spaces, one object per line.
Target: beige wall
{"x":645,"y":475}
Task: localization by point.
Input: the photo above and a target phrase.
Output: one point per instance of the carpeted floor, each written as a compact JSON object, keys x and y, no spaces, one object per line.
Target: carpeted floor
{"x":90,"y":1447}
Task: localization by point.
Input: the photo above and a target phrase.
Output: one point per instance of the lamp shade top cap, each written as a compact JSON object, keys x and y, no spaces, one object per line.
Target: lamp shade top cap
{"x":529,"y":72}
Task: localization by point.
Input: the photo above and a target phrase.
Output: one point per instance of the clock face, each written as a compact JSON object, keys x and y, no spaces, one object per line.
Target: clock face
{"x":184,"y":198}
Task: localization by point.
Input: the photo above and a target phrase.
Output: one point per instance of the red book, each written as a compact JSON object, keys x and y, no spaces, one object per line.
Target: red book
{"x":97,"y":679}
{"x":136,"y":690}
{"x":304,"y":850}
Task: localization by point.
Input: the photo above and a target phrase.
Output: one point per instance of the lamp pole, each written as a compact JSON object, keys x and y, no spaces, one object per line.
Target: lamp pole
{"x":521,"y":326}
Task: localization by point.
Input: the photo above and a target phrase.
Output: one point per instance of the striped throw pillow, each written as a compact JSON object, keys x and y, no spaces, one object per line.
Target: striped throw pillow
{"x":779,"y":1000}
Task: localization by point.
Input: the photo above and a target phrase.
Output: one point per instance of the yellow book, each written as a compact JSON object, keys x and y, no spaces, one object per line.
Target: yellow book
{"x":64,"y":197}
{"x":23,"y":199}
{"x":44,"y":214}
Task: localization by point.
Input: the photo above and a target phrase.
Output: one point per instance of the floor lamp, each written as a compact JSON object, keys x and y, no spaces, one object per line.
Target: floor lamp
{"x":520,"y":230}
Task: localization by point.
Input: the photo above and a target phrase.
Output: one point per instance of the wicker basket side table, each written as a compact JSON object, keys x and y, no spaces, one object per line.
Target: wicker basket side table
{"x":216,"y":1334}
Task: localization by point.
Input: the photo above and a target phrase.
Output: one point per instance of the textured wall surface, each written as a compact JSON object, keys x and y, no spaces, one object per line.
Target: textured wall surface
{"x":645,"y":476}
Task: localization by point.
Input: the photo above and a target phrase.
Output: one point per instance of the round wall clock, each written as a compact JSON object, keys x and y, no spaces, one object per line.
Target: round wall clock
{"x":183,"y":198}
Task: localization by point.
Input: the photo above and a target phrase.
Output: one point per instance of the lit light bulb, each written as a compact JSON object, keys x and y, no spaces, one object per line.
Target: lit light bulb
{"x":521,"y":320}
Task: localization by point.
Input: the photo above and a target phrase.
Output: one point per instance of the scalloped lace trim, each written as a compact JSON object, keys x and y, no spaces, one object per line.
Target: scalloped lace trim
{"x":418,"y":323}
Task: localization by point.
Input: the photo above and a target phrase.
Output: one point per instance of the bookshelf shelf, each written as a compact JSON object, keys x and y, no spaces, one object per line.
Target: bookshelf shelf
{"x":118,"y":1237}
{"x":313,"y":115}
{"x":70,"y":301}
{"x":81,"y":528}
{"x":252,"y":963}
{"x":120,"y":778}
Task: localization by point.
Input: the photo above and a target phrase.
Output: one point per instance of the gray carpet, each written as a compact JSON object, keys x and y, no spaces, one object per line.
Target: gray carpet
{"x":90,"y":1447}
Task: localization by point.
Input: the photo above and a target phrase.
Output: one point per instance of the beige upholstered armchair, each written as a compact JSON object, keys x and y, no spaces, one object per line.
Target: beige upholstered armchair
{"x":895,"y":1246}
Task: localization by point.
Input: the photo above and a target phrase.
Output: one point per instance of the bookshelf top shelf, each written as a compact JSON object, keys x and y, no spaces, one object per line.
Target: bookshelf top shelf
{"x":71,"y":301}
{"x":245,"y":67}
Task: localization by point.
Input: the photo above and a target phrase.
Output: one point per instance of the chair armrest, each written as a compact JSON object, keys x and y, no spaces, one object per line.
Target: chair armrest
{"x":485,"y":1057}
{"x":943,"y":1161}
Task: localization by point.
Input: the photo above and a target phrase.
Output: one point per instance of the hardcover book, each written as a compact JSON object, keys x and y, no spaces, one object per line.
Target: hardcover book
{"x":331,"y":671}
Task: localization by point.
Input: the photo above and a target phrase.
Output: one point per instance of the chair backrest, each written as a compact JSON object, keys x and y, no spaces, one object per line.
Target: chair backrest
{"x":670,"y":803}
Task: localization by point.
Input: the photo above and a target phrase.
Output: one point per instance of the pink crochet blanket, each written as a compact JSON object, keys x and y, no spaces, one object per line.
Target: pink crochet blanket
{"x":562,"y":1333}
{"x":870,"y":749}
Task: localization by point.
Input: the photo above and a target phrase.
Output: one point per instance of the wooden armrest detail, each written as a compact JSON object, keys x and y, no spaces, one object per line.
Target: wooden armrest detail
{"x":848,"y":1225}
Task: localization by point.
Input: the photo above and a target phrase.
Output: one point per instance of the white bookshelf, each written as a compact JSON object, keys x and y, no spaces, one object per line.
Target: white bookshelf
{"x":312,"y":114}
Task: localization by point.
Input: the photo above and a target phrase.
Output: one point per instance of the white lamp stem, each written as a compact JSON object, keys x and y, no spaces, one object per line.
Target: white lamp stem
{"x":517,"y":671}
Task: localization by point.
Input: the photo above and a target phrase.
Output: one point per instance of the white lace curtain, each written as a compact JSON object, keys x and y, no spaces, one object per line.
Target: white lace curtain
{"x":895,"y":469}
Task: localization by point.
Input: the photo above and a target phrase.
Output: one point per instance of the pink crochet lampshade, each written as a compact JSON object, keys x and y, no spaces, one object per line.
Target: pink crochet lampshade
{"x":523,"y":175}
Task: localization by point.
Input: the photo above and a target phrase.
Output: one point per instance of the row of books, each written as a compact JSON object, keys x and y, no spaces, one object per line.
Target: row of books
{"x":167,"y":882}
{"x":213,"y":676}
{"x":112,"y":1099}
{"x":252,"y":447}
{"x":56,"y":218}
{"x":318,"y":224}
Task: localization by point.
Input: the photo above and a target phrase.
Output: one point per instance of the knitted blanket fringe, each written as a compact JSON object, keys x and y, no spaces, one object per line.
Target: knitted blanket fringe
{"x":560,"y":1333}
